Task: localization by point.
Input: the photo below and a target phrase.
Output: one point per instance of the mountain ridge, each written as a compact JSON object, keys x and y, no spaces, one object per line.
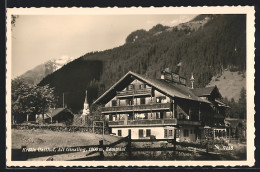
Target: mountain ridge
{"x":36,"y":74}
{"x":206,"y":51}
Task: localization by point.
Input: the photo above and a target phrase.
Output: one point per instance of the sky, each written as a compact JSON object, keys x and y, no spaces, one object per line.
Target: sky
{"x":39,"y":38}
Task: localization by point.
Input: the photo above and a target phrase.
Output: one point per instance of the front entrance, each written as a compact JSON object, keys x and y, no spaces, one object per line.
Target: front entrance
{"x":141,"y":133}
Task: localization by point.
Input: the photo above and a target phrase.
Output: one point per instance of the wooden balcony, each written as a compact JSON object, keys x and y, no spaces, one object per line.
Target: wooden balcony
{"x":137,"y":108}
{"x":143,"y":122}
{"x":135,"y":92}
{"x":188,"y":122}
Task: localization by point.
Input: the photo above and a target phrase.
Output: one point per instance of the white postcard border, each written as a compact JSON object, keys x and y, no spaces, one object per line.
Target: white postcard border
{"x":248,"y":10}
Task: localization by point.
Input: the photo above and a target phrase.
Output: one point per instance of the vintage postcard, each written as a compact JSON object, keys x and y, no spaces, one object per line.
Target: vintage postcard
{"x":171,"y":86}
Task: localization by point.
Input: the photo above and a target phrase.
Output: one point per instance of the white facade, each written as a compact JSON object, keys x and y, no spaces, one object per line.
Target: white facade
{"x":166,"y":132}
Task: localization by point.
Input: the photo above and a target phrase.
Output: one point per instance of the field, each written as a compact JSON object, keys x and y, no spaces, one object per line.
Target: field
{"x":51,"y":139}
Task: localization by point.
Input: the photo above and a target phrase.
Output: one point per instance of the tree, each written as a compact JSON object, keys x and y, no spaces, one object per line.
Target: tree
{"x":22,"y":100}
{"x":45,"y":99}
{"x":237,"y":109}
{"x":242,"y":104}
{"x":29,"y":100}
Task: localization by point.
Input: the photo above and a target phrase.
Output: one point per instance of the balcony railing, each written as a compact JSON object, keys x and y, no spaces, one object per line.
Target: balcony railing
{"x":188,"y":122}
{"x":116,"y":123}
{"x":145,"y":107}
{"x":143,"y":122}
{"x":136,"y":92}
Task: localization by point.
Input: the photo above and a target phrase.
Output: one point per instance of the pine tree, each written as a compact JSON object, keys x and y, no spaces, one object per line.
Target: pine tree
{"x":242,"y":104}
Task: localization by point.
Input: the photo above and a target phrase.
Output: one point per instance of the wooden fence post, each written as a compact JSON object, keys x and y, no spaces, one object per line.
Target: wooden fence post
{"x":129,"y":151}
{"x":207,"y":146}
{"x":101,"y":148}
{"x":174,"y":145}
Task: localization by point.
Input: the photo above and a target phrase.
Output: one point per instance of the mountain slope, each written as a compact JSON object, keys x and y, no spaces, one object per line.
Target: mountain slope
{"x":229,"y":84}
{"x":216,"y":45}
{"x":35,"y":75}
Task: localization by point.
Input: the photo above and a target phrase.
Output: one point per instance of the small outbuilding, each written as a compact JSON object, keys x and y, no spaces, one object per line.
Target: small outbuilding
{"x":60,"y":115}
{"x":236,"y":128}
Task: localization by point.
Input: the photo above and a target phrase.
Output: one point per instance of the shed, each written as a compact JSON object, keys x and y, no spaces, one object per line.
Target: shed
{"x":60,"y":115}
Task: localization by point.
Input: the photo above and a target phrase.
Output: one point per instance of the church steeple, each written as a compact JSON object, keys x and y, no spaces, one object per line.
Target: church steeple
{"x":192,"y":80}
{"x":86,"y":106}
{"x":86,"y":98}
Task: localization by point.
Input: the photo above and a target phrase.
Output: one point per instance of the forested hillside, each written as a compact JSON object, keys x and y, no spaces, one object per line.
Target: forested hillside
{"x":206,"y":51}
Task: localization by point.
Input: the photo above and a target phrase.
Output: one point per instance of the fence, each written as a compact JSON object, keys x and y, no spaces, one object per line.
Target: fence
{"x":63,"y":128}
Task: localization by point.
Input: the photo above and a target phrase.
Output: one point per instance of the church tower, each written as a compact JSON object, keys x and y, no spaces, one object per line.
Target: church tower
{"x":85,"y":112}
{"x":192,"y":81}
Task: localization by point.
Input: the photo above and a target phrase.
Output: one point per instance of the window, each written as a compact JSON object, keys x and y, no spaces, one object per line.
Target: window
{"x":106,"y":117}
{"x":114,"y":118}
{"x":142,"y":86}
{"x":190,"y":131}
{"x":216,"y":133}
{"x":119,"y":132}
{"x":129,"y":101}
{"x":168,"y":115}
{"x":142,"y":101}
{"x":148,"y":132}
{"x":186,"y":133}
{"x":161,"y":99}
{"x":177,"y":133}
{"x":170,"y":132}
{"x":158,"y":115}
{"x":114,"y":103}
{"x":165,"y":133}
{"x":122,"y":116}
{"x":141,"y":133}
{"x":130,"y":87}
{"x":181,"y":116}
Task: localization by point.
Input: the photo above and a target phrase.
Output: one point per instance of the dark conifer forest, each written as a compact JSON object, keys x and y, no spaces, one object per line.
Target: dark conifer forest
{"x":206,"y":51}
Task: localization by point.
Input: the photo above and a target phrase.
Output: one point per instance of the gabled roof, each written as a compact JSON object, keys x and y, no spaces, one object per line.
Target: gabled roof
{"x":207,"y":91}
{"x":167,"y":88}
{"x":221,"y":104}
{"x":234,"y":122}
{"x":56,"y":112}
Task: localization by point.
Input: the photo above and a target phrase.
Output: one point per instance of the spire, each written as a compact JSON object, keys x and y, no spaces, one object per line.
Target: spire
{"x":192,"y":80}
{"x":86,"y":106}
{"x":86,"y":98}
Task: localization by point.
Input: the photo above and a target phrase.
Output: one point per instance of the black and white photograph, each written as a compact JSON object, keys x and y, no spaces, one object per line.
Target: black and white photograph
{"x":157,"y":86}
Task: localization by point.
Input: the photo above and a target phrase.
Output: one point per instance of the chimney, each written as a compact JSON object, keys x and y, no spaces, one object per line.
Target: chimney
{"x":192,"y":80}
{"x":178,"y":67}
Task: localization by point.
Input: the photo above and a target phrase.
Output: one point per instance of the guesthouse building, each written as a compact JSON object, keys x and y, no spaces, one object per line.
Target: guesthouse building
{"x":157,"y":108}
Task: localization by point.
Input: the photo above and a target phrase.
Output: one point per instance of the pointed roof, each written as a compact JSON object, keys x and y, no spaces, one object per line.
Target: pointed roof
{"x":86,"y":97}
{"x":207,"y":91}
{"x":192,"y":78}
{"x":170,"y":89}
{"x":221,"y":104}
{"x":55,"y":112}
